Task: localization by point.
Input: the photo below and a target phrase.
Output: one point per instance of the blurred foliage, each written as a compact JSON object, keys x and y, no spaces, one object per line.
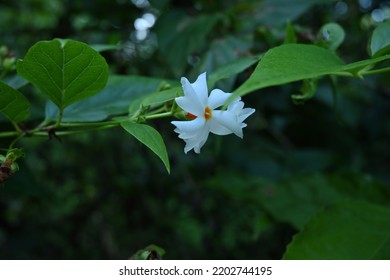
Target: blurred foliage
{"x":105,"y":196}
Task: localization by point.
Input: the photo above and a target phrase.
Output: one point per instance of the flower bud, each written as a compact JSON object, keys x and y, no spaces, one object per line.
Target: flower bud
{"x":3,"y":51}
{"x":14,"y":167}
{"x":9,"y":63}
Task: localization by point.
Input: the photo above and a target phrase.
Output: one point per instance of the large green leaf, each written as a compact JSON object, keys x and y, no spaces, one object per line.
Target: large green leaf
{"x":13,"y":104}
{"x":149,"y":137}
{"x":113,"y":100}
{"x":348,"y":230}
{"x":291,"y":62}
{"x":66,"y":71}
{"x":294,"y":62}
{"x":380,"y":40}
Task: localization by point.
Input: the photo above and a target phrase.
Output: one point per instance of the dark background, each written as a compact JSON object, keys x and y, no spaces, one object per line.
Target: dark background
{"x":102,"y":195}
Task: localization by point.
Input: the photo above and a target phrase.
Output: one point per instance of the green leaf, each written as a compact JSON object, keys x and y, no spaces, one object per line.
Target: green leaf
{"x":331,"y":36}
{"x":223,"y":52}
{"x":278,"y":12}
{"x":233,"y":68}
{"x":150,"y":252}
{"x":380,"y":40}
{"x":15,"y":81}
{"x":308,"y":90}
{"x":150,"y":137}
{"x":13,"y":104}
{"x":294,"y":62}
{"x":290,"y":37}
{"x":295,"y":199}
{"x":66,"y":71}
{"x":349,"y":230}
{"x":178,"y":39}
{"x":114,"y":99}
{"x":105,"y":47}
{"x":291,"y":62}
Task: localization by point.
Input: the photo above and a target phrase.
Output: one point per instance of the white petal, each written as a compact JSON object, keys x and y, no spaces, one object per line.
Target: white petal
{"x":236,"y":106}
{"x":218,"y":98}
{"x":187,"y":129}
{"x":200,"y":87}
{"x":228,"y":120}
{"x":197,"y":141}
{"x":190,"y":105}
{"x":245,"y":113}
{"x":190,"y":97}
{"x":218,"y":129}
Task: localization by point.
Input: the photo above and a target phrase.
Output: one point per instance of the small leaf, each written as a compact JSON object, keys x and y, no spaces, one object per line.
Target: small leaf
{"x":13,"y":104}
{"x":151,"y":252}
{"x":380,"y":40}
{"x":308,"y":90}
{"x":150,"y":137}
{"x":66,"y":71}
{"x":331,"y":36}
{"x":350,"y":230}
{"x":291,"y":37}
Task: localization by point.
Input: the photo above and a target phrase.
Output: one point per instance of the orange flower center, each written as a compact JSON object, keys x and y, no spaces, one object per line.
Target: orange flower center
{"x":207,"y":113}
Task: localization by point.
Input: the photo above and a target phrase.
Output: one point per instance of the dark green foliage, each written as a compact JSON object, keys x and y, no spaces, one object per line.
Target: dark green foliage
{"x":103,"y":195}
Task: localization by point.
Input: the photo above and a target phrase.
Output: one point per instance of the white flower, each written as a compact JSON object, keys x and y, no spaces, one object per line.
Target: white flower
{"x":201,"y":108}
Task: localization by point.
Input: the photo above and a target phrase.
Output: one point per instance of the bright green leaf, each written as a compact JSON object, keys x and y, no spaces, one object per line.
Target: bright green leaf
{"x":66,"y":71}
{"x":294,"y":62}
{"x":331,"y":36}
{"x":349,"y":230}
{"x":291,"y":62}
{"x":13,"y":104}
{"x":380,"y":40}
{"x":149,"y":137}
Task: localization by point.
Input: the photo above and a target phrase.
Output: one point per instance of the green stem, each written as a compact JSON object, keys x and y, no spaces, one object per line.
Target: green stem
{"x":157,"y":116}
{"x":16,"y":140}
{"x":17,"y":128}
{"x":71,"y":132}
{"x":58,"y":123}
{"x":377,"y":71}
{"x":91,"y":124}
{"x":343,"y":74}
{"x":8,"y":134}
